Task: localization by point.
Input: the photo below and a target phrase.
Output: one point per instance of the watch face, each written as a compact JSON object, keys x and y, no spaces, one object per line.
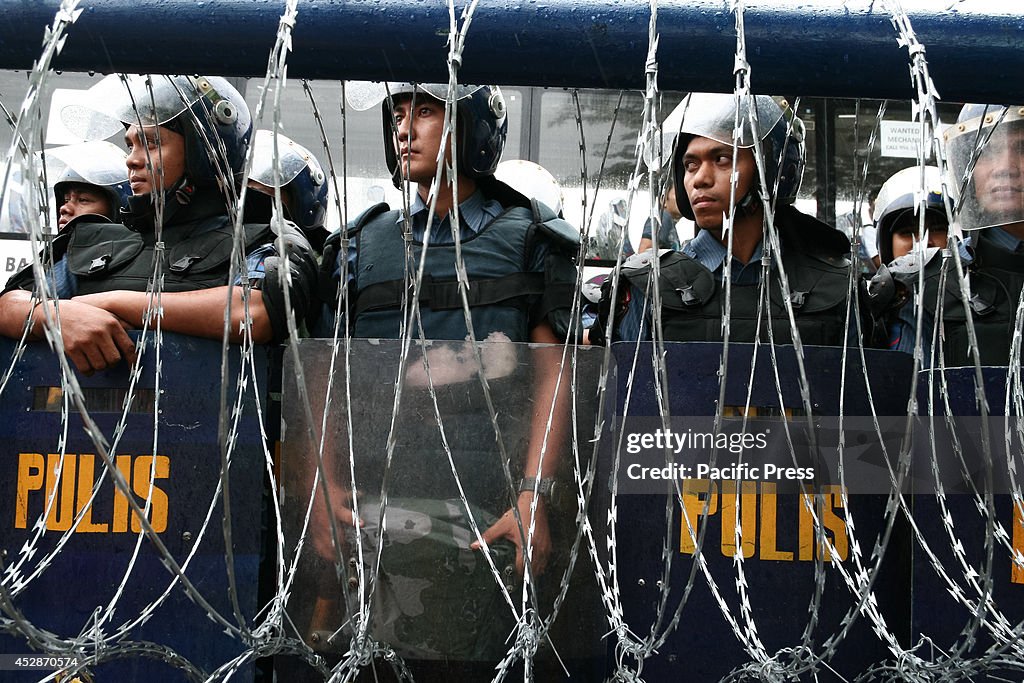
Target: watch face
{"x":530,"y":484}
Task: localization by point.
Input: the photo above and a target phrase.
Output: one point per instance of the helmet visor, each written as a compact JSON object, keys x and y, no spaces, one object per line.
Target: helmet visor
{"x":990,"y":149}
{"x":97,"y":163}
{"x":113,"y":103}
{"x":713,"y":115}
{"x":363,"y":95}
{"x":291,"y":159}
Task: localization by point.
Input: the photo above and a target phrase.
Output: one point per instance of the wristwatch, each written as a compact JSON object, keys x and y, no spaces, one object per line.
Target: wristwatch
{"x":546,"y":487}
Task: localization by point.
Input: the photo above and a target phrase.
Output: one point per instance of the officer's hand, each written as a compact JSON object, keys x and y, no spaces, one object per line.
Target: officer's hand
{"x":94,"y":339}
{"x":507,"y":528}
{"x":319,"y":523}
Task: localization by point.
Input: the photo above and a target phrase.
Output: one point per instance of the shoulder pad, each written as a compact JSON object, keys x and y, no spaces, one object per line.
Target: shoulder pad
{"x":84,"y":218}
{"x":364,"y":218}
{"x":561,"y":232}
{"x":95,"y":248}
{"x":24,"y":277}
{"x":211,"y":250}
{"x":684,"y":283}
{"x":835,"y":260}
{"x":643,"y":259}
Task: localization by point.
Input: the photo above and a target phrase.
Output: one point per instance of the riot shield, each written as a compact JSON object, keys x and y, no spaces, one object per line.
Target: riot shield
{"x":76,"y":557}
{"x":428,"y":447}
{"x":694,"y":610}
{"x":968,"y":586}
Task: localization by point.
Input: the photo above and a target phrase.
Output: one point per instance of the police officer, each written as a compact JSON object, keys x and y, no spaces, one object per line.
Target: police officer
{"x":187,"y":140}
{"x":518,"y":257}
{"x":668,"y":238}
{"x":692,"y":281}
{"x":898,"y":210}
{"x":520,"y":304}
{"x":90,"y":178}
{"x":985,"y":150}
{"x":302,"y":181}
{"x":992,"y":206}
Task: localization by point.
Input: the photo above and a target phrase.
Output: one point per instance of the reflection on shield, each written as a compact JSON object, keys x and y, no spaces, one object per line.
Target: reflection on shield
{"x":455,"y":468}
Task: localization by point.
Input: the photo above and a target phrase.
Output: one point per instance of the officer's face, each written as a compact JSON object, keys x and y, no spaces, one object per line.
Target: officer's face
{"x":670,"y":202}
{"x":80,"y":200}
{"x":167,"y":153}
{"x":904,"y":232}
{"x":707,"y":166}
{"x":419,"y":136}
{"x":999,"y":173}
{"x":286,"y":194}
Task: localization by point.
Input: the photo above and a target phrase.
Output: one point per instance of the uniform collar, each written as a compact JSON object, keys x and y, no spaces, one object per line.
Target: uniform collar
{"x":475,"y":212}
{"x":710,"y":253}
{"x":1005,"y":240}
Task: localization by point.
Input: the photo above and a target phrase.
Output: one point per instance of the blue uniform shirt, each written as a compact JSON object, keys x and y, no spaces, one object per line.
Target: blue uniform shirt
{"x":1005,"y":240}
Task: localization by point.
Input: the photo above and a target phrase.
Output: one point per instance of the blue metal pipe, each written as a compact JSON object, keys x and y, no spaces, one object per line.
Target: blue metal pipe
{"x":809,"y":48}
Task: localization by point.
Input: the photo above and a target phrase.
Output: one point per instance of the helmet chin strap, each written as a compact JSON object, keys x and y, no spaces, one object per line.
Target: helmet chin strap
{"x":142,"y":205}
{"x":748,"y":204}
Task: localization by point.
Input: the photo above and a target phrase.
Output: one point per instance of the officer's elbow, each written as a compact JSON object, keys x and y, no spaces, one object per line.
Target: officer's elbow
{"x":255,"y":316}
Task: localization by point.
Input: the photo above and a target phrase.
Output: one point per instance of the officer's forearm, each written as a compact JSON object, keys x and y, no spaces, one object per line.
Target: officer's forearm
{"x":15,"y":306}
{"x":547,"y":407}
{"x":201,"y":313}
{"x":198,"y":313}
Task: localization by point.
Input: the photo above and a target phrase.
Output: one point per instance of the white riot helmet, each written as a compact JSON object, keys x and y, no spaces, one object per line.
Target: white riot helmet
{"x":532,"y":181}
{"x":901,"y":194}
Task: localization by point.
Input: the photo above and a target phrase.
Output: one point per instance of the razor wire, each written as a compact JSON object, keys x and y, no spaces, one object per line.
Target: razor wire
{"x":269,"y":636}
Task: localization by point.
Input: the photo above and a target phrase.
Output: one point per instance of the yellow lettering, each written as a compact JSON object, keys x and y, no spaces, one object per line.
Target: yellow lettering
{"x":748,"y":513}
{"x":120,"y":521}
{"x":759,"y":502}
{"x":835,"y":523}
{"x":805,"y":536}
{"x":141,"y":480}
{"x":30,"y":478}
{"x":695,"y":492}
{"x":1017,"y":571}
{"x":769,"y":525}
{"x":831,"y":501}
{"x":62,"y":509}
{"x":86,"y":480}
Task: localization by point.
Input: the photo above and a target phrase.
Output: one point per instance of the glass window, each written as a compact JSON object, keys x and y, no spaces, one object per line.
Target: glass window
{"x":609,"y":126}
